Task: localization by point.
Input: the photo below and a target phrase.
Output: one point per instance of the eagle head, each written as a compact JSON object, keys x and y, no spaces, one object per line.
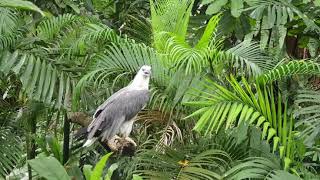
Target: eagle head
{"x":145,"y":71}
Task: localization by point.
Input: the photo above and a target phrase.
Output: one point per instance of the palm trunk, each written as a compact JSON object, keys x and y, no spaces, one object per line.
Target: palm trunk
{"x":66,"y":138}
{"x":31,"y":145}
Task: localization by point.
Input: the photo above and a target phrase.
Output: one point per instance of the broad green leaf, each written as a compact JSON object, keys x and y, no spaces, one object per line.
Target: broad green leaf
{"x":215,"y":6}
{"x":236,"y":7}
{"x":98,"y":169}
{"x":111,"y":169}
{"x":21,"y":4}
{"x":49,"y":168}
{"x":264,"y":38}
{"x":55,"y":147}
{"x":204,"y":2}
{"x":208,"y":33}
{"x":87,"y":171}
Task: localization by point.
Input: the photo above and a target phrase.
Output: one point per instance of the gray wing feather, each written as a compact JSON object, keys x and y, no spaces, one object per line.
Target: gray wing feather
{"x":120,"y":107}
{"x":103,"y":106}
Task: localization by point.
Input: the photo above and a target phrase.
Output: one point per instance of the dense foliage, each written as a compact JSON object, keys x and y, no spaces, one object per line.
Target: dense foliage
{"x":234,"y":87}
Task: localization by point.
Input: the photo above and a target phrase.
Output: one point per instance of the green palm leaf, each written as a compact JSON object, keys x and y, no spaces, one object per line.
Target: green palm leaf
{"x":208,"y":164}
{"x":10,"y":151}
{"x":41,"y":81}
{"x":224,"y":108}
{"x":21,"y":4}
{"x":249,"y":58}
{"x":308,"y":102}
{"x":290,"y":69}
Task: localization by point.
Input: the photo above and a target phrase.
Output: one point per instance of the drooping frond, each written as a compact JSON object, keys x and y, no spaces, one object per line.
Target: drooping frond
{"x":10,"y":151}
{"x":8,"y":21}
{"x":249,"y":57}
{"x":9,"y":31}
{"x":308,"y":103}
{"x":271,"y":18}
{"x":41,"y":81}
{"x":290,"y":69}
{"x":21,"y":4}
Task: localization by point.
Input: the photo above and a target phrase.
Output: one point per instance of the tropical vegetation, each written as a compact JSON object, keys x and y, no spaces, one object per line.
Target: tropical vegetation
{"x":234,"y":88}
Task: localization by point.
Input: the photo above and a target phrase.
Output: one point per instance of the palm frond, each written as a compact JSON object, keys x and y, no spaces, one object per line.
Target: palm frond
{"x":121,"y":63}
{"x":208,"y":164}
{"x":280,"y":174}
{"x":41,"y":81}
{"x":249,"y":58}
{"x":8,"y":21}
{"x":8,"y":28}
{"x":292,"y":68}
{"x":193,"y":59}
{"x":21,"y":4}
{"x":220,"y":107}
{"x":99,"y":33}
{"x":169,"y":16}
{"x":54,"y":26}
{"x":139,"y":29}
{"x":308,"y":103}
{"x":272,"y":16}
{"x":10,"y":151}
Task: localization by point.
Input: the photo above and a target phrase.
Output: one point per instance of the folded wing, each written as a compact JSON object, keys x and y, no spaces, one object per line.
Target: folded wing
{"x":119,"y":108}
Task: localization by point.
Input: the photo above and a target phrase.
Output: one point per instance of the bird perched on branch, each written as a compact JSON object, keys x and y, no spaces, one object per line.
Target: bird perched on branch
{"x":116,"y":115}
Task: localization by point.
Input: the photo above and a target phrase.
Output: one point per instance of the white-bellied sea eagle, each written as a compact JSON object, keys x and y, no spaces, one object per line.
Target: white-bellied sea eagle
{"x":116,"y":115}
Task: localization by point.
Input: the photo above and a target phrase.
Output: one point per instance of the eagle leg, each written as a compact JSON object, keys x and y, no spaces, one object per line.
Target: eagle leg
{"x":130,"y":140}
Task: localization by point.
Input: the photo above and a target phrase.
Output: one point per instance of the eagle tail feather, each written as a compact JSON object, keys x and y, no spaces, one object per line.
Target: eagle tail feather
{"x":89,"y":142}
